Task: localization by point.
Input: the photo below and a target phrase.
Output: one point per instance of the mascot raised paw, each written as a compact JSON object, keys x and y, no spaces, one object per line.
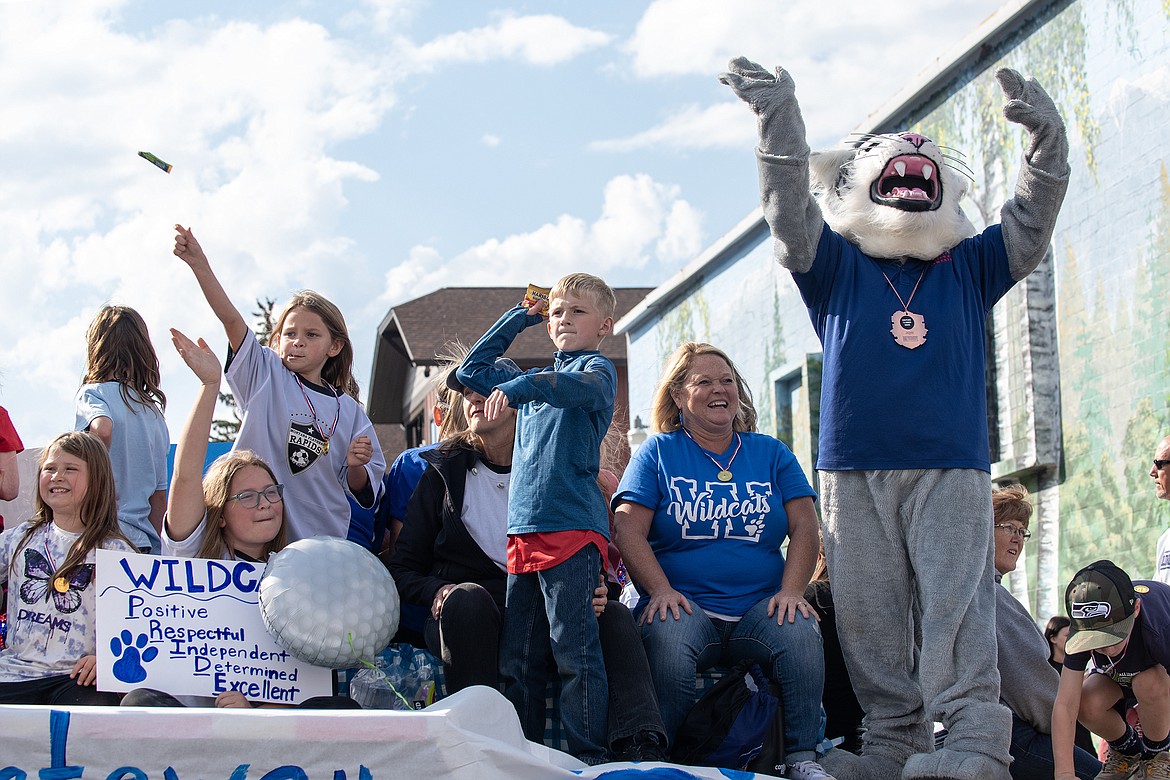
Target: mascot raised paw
{"x":898,"y":286}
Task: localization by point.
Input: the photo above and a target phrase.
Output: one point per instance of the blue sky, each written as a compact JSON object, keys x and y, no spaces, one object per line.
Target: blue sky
{"x":376,"y":150}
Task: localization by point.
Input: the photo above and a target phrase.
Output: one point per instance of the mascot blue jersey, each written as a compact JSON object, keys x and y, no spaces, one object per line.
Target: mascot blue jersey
{"x":717,"y":542}
{"x":884,"y":406}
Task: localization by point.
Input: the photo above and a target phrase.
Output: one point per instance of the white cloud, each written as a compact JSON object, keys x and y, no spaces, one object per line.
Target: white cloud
{"x":642,"y":223}
{"x":855,"y":48}
{"x":381,"y":16}
{"x":537,"y":40}
{"x":697,"y":37}
{"x":489,"y":140}
{"x":247,"y":114}
{"x":722,"y":125}
{"x":682,"y":238}
{"x":677,"y":37}
{"x":251,"y":115}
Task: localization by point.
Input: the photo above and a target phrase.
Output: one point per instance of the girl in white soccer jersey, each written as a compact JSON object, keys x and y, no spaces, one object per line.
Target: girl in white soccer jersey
{"x":301,"y":410}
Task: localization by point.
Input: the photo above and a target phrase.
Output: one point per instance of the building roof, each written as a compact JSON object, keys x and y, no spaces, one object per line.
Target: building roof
{"x":413,"y":333}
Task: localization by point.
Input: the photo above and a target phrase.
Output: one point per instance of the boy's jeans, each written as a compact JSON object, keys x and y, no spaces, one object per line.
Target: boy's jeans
{"x":560,"y":597}
{"x":790,"y":654}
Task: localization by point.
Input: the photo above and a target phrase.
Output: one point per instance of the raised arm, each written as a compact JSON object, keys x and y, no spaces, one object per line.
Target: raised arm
{"x":185,"y":505}
{"x":593,"y":387}
{"x":783,"y":154}
{"x":481,"y":370}
{"x":188,"y":250}
{"x":1029,"y":217}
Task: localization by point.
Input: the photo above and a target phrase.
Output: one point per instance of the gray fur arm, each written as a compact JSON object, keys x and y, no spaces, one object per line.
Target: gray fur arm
{"x":789,"y":208}
{"x":1029,"y":218}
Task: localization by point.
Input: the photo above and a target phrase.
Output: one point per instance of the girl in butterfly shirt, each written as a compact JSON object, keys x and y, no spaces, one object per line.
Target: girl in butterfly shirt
{"x":301,"y":410}
{"x":48,"y":564}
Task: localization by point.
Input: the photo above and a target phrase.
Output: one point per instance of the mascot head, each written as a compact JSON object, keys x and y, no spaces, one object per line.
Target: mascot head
{"x":892,"y":196}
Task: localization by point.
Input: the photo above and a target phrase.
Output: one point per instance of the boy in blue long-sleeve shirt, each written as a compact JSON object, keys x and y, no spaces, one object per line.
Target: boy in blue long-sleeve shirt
{"x":558,"y":525}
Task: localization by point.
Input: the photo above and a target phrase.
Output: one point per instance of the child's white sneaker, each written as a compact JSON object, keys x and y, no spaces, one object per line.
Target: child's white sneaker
{"x":806,"y":770}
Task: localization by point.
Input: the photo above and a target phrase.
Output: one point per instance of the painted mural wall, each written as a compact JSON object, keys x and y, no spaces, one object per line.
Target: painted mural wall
{"x":1081,"y":366}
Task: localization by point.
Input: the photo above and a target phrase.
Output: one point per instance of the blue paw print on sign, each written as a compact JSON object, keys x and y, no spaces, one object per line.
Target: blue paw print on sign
{"x":128,"y":668}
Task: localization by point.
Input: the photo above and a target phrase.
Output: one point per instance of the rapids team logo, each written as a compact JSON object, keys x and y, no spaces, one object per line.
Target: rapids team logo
{"x":305,"y":446}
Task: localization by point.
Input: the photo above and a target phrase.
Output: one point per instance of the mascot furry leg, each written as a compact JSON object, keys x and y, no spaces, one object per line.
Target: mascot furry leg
{"x":904,"y":457}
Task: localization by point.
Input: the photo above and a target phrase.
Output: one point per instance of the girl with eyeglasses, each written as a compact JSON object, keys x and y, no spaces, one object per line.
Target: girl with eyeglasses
{"x":236,"y":511}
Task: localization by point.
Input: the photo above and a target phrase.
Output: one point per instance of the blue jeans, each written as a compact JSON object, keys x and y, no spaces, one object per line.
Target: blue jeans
{"x":1032,"y":755}
{"x":551,"y":612}
{"x":790,"y":654}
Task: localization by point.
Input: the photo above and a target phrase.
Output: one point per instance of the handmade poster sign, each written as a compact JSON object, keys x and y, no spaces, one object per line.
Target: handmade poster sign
{"x":191,"y":626}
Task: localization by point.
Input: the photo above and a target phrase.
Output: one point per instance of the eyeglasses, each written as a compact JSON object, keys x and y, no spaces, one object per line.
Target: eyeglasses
{"x":250,"y":499}
{"x":1015,"y":530}
{"x":1160,"y":464}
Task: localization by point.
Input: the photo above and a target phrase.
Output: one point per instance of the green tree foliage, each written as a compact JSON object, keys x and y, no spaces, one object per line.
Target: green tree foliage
{"x":1111,"y":511}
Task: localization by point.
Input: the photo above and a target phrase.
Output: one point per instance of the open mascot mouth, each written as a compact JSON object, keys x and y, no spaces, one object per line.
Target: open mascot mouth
{"x":910,"y":182}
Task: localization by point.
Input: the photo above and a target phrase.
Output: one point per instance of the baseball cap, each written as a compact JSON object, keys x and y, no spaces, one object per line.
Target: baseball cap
{"x":453,"y":382}
{"x":1100,"y":602}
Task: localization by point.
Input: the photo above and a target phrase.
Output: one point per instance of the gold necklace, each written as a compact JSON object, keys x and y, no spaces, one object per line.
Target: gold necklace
{"x":325,"y":437}
{"x":724,"y":474}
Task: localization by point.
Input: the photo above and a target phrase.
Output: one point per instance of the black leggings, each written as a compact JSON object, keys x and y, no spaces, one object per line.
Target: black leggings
{"x":58,"y":689}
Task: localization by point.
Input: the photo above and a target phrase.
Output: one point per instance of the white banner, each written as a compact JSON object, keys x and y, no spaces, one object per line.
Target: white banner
{"x":191,"y":626}
{"x":472,"y":735}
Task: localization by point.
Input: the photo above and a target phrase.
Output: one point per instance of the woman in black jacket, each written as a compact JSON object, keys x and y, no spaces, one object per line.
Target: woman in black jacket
{"x":451,"y":554}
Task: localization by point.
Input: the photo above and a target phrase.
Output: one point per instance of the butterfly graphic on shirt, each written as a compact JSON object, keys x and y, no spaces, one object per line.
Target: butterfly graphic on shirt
{"x":40,"y":584}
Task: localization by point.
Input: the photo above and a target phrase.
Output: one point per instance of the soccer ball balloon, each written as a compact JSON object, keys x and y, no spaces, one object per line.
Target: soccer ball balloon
{"x":329,"y":602}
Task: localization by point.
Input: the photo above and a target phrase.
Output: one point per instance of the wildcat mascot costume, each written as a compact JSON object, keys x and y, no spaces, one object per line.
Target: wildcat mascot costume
{"x":898,"y":286}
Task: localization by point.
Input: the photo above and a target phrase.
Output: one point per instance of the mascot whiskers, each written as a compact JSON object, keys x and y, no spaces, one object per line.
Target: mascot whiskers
{"x":898,"y":286}
{"x":908,"y":174}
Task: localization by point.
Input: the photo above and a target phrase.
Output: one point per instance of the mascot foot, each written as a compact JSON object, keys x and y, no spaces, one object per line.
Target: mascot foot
{"x":947,"y":764}
{"x":844,"y":765}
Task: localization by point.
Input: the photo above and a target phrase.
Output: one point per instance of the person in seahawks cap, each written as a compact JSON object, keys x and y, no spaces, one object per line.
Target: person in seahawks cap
{"x":1123,"y":628}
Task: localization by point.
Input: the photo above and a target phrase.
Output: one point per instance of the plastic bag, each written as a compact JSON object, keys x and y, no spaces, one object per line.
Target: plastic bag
{"x":402,"y":677}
